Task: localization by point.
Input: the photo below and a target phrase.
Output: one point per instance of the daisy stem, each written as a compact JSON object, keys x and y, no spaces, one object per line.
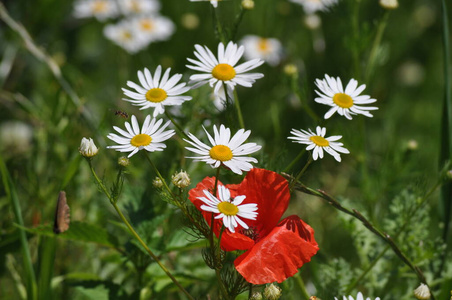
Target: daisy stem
{"x":158,"y":174}
{"x":237,"y":22}
{"x":176,"y":124}
{"x":294,"y":161}
{"x":376,"y":44}
{"x":134,"y":233}
{"x":301,"y":172}
{"x":235,"y":99}
{"x":356,"y":39}
{"x":218,"y":27}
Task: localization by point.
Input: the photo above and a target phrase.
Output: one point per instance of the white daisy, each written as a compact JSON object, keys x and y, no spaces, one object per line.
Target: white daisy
{"x":216,"y":71}
{"x":229,"y":210}
{"x":268,"y":49}
{"x":157,"y":92}
{"x":312,"y":6}
{"x":153,"y":27}
{"x":125,"y":35}
{"x":138,"y":6}
{"x":318,"y":142}
{"x":346,"y":103}
{"x":150,"y":137}
{"x":358,"y":297}
{"x":213,"y":2}
{"x":225,"y":150}
{"x":101,"y":9}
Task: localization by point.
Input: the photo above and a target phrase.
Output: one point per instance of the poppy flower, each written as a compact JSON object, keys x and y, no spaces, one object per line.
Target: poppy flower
{"x":275,"y":249}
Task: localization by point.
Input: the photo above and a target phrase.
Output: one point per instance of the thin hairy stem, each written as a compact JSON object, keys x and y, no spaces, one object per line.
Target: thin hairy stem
{"x":179,"y":128}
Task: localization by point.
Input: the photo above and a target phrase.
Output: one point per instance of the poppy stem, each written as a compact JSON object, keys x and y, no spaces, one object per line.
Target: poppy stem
{"x":301,"y":285}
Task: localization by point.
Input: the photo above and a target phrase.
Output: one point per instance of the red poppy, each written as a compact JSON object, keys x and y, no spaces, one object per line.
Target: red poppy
{"x":275,"y":251}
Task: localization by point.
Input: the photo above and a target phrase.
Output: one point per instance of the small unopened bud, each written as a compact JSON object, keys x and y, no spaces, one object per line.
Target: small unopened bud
{"x":88,"y":148}
{"x":312,"y":21}
{"x":123,"y":161}
{"x":290,"y":69}
{"x":449,"y":174}
{"x":248,"y":4}
{"x":422,"y":292}
{"x":181,"y":179}
{"x":313,"y":298}
{"x":389,"y":4}
{"x":157,"y":183}
{"x":272,"y":292}
{"x":190,"y":21}
{"x":412,"y":145}
{"x":256,"y":296}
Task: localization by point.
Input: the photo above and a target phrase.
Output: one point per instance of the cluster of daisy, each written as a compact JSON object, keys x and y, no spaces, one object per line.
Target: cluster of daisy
{"x":346,"y":102}
{"x":138,"y":21}
{"x":313,"y":6}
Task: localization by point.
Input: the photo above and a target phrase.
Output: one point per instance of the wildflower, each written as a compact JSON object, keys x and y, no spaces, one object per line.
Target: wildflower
{"x":190,"y":21}
{"x":88,"y":148}
{"x":225,"y":150}
{"x":275,"y":250}
{"x":123,"y":161}
{"x":346,"y":103}
{"x":229,"y":210}
{"x":290,"y":70}
{"x":101,"y":9}
{"x":318,"y":142}
{"x":138,"y":6}
{"x":256,"y":296}
{"x":157,"y":183}
{"x":268,"y":49}
{"x":312,"y":21}
{"x":223,"y":70}
{"x":157,"y":92}
{"x":151,"y":28}
{"x":389,"y":4}
{"x":358,"y":297}
{"x":312,"y":6}
{"x":125,"y":35}
{"x":15,"y":137}
{"x":150,"y":137}
{"x":272,"y":292}
{"x":248,"y":4}
{"x":422,"y":292}
{"x":181,"y":179}
{"x":412,"y":145}
{"x":213,"y":2}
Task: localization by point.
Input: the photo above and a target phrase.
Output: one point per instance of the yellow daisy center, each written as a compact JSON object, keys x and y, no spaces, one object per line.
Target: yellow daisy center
{"x":228,"y":209}
{"x":126,"y":35}
{"x":221,"y":153}
{"x":223,"y":72}
{"x":263,"y":45}
{"x":135,"y":6}
{"x":99,"y":6}
{"x":156,"y":95}
{"x":146,"y":25}
{"x":319,"y":141}
{"x":343,"y":100}
{"x":141,"y":140}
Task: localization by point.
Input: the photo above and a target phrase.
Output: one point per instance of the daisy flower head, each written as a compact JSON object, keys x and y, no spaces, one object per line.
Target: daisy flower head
{"x":227,"y":151}
{"x":223,"y":70}
{"x":150,"y":137}
{"x":268,"y":49}
{"x":157,"y":91}
{"x":231,"y":211}
{"x":151,"y":27}
{"x":125,"y":35}
{"x":213,"y":2}
{"x":346,"y":102}
{"x":101,"y":9}
{"x":358,"y":297}
{"x":312,"y":6}
{"x":138,"y":6}
{"x":318,"y":142}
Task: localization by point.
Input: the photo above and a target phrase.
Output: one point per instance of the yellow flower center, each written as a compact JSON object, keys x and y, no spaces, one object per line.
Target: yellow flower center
{"x":223,"y":72}
{"x":146,"y":25}
{"x":319,"y":141}
{"x":263,"y":45}
{"x":99,"y":6}
{"x":135,"y":6}
{"x":221,"y":153}
{"x":126,"y":35}
{"x":343,"y":100}
{"x":228,"y":209}
{"x":156,"y":95}
{"x":141,"y":140}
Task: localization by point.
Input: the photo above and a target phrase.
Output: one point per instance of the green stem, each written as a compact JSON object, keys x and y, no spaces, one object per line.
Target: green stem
{"x":176,"y":125}
{"x":237,"y":107}
{"x":218,"y":27}
{"x":356,"y":39}
{"x":304,"y":104}
{"x":158,"y":174}
{"x":32,"y":287}
{"x":300,"y":283}
{"x":376,"y":44}
{"x":237,"y":22}
{"x":134,"y":233}
{"x":296,"y":159}
{"x":301,"y":172}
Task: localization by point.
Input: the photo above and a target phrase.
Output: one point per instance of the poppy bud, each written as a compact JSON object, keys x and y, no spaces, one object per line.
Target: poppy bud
{"x":272,"y":292}
{"x":422,"y":292}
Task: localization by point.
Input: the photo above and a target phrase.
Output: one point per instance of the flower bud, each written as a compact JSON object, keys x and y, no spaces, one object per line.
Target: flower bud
{"x":123,"y":161}
{"x":181,"y":179}
{"x":256,"y":296}
{"x":312,"y":21}
{"x":272,"y":292}
{"x":422,"y":292}
{"x":389,"y":4}
{"x":248,"y":4}
{"x":190,"y":21}
{"x":412,"y":145}
{"x":290,"y":69}
{"x":157,"y":183}
{"x":88,"y":148}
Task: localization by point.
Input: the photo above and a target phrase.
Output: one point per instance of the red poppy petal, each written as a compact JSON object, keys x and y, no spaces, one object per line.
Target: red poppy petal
{"x":271,"y":193}
{"x":279,"y":255}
